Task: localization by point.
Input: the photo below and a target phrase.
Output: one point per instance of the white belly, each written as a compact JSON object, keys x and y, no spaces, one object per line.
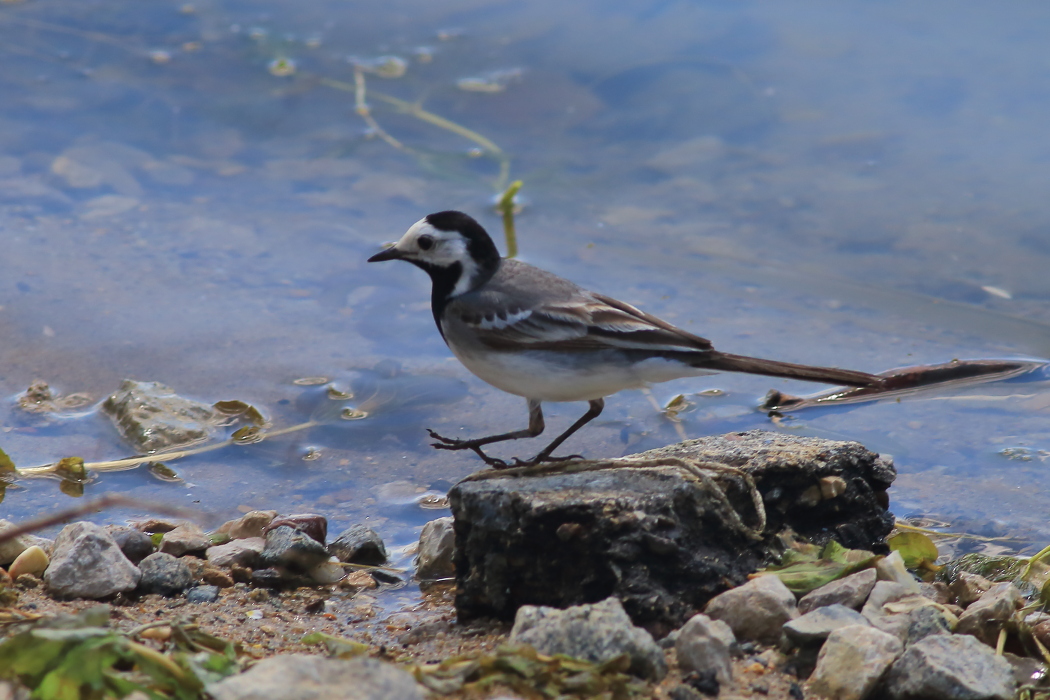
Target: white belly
{"x":568,"y":377}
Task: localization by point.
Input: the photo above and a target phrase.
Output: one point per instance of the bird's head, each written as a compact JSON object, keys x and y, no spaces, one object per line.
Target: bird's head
{"x":451,"y":247}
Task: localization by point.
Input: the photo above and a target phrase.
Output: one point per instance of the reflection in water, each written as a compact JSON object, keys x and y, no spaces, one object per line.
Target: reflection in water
{"x":188,"y":193}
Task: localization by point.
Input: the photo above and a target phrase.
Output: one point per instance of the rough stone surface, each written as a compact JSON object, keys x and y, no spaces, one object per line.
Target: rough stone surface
{"x":814,"y":627}
{"x":10,"y":549}
{"x":755,"y":611}
{"x":926,"y":621}
{"x":660,"y":541}
{"x":251,"y":524}
{"x":359,"y":544}
{"x":703,"y":646}
{"x":153,"y":417}
{"x":967,"y":587}
{"x":890,"y":607}
{"x":135,"y":544}
{"x":244,"y":552}
{"x":850,"y":591}
{"x":597,"y":633}
{"x":312,"y":524}
{"x":202,"y":594}
{"x":164,"y":574}
{"x":437,"y":550}
{"x":304,"y":677}
{"x":891,"y":568}
{"x":87,"y":563}
{"x":185,"y":539}
{"x":852,"y":662}
{"x":986,"y":616}
{"x":293,"y":549}
{"x":950,"y":667}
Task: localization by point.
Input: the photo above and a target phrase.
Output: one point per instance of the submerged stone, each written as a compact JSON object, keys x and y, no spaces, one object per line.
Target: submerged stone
{"x":152,"y":417}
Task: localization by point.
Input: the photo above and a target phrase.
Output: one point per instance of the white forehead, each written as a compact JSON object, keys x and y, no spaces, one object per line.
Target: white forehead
{"x":423,"y":228}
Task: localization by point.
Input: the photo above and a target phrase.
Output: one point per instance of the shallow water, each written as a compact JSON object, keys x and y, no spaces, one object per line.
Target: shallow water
{"x":186,"y":196}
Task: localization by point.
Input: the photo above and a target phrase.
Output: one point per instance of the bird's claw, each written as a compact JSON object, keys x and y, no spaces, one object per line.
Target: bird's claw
{"x":447,"y":443}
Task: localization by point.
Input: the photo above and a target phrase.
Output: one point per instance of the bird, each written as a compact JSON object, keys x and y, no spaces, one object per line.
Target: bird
{"x":534,"y":334}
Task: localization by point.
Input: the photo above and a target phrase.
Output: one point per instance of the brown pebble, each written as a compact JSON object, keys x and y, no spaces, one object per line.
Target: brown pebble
{"x":159,"y":634}
{"x":315,"y":605}
{"x":358,"y":579}
{"x":241,"y":574}
{"x":214,"y":576}
{"x":258,"y":595}
{"x":27,"y":581}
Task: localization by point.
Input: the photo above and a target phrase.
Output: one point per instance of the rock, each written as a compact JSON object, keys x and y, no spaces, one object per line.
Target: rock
{"x":214,"y":576}
{"x":928,"y":620}
{"x":244,"y":552}
{"x":850,"y":591}
{"x":890,"y":606}
{"x":937,"y":592}
{"x":950,"y":667}
{"x":135,"y":544}
{"x":152,"y":417}
{"x":967,"y":587}
{"x":891,"y":568}
{"x":987,"y":615}
{"x":304,"y":677}
{"x":359,"y":544}
{"x":33,"y":561}
{"x":703,"y":646}
{"x":437,"y":550}
{"x":185,"y":539}
{"x":757,"y":610}
{"x":251,"y":524}
{"x":10,"y":549}
{"x":658,"y":538}
{"x":316,"y":526}
{"x":595,"y":633}
{"x":202,"y":594}
{"x":852,"y":662}
{"x":292,"y":549}
{"x":87,"y":563}
{"x":814,"y":627}
{"x":164,"y":574}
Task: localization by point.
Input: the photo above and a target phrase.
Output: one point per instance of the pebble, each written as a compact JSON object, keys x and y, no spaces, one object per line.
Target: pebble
{"x":32,"y":561}
{"x":202,"y":594}
{"x":814,"y":627}
{"x":926,"y":621}
{"x":437,"y":548}
{"x":152,"y":417}
{"x":251,"y":524}
{"x":87,"y":563}
{"x":243,"y":552}
{"x":891,"y":568}
{"x":311,"y":524}
{"x":597,"y":632}
{"x":164,"y":574}
{"x":757,"y":610}
{"x":359,"y":544}
{"x":703,"y":646}
{"x":950,"y":667}
{"x":986,"y":616}
{"x":291,"y":548}
{"x":967,"y":587}
{"x":135,"y":544}
{"x":302,"y":676}
{"x":852,"y":662}
{"x":185,"y":539}
{"x":850,"y":591}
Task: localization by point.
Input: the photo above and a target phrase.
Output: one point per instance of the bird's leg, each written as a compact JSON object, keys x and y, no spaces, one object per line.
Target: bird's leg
{"x":545,"y":456}
{"x":535,"y":428}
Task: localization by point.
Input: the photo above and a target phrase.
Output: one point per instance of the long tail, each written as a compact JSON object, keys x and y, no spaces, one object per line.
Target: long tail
{"x":773,"y":368}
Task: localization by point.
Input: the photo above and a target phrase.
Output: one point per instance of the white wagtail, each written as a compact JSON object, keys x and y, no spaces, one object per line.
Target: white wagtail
{"x":531,"y":333}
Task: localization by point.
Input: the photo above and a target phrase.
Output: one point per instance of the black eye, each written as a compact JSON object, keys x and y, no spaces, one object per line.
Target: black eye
{"x":425,"y":242}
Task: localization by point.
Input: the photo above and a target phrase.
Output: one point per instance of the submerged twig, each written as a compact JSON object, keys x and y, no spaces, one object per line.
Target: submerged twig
{"x":505,"y":206}
{"x":417,"y":111}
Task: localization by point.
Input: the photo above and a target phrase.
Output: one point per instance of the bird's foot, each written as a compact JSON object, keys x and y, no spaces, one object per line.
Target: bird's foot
{"x":447,"y":443}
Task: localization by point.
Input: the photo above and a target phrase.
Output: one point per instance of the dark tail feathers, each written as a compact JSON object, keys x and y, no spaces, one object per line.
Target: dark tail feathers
{"x":773,"y":368}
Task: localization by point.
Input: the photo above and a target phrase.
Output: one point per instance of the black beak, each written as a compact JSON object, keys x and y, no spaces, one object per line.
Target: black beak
{"x":390,"y":253}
